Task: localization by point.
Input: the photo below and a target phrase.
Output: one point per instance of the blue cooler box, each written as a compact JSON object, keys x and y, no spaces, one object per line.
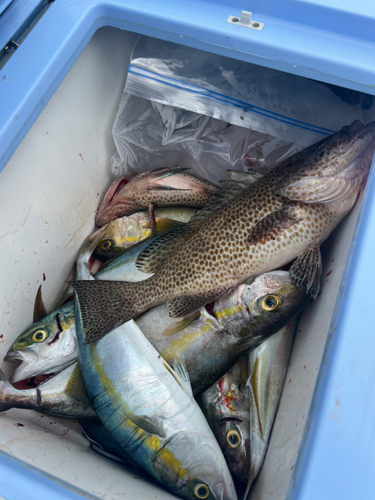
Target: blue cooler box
{"x":63,"y":71}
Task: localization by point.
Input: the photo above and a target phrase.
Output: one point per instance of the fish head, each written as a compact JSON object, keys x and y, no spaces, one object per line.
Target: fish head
{"x":263,"y":304}
{"x":226,"y":405}
{"x":352,"y":146}
{"x":204,"y":473}
{"x":46,"y":347}
{"x":128,"y":231}
{"x":121,"y":234}
{"x":234,"y":440}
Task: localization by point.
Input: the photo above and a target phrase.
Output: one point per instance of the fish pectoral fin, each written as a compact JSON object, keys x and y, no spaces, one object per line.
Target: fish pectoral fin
{"x":307,"y":269}
{"x":325,"y":189}
{"x":180,"y":324}
{"x":273,"y":224}
{"x":157,"y":252}
{"x":75,"y":387}
{"x":152,"y":425}
{"x":184,"y":306}
{"x":40,"y":310}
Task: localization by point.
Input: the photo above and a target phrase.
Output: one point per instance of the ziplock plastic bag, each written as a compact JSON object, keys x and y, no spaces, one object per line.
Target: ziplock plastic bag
{"x":149,"y":135}
{"x":292,"y":108}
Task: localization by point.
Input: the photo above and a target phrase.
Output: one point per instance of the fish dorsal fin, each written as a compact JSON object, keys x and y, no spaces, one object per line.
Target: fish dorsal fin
{"x":151,"y":258}
{"x":40,"y":310}
{"x":150,"y":425}
{"x":75,"y":387}
{"x":155,"y":254}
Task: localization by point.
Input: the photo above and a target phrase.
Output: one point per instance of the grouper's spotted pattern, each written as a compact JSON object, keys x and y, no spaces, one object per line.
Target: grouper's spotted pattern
{"x":260,"y":229}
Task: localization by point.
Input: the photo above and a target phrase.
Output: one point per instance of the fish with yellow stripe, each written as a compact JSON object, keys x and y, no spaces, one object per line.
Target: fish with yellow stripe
{"x":127,"y":231}
{"x":149,"y":410}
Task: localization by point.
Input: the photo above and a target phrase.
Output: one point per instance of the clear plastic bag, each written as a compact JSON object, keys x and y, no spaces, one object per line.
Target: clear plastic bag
{"x":149,"y":135}
{"x":292,"y":108}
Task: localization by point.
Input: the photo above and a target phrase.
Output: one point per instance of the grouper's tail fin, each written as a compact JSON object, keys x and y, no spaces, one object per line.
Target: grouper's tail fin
{"x":104,"y":305}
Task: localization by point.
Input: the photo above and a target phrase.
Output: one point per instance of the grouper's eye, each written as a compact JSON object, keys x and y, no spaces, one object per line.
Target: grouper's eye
{"x":270,"y":302}
{"x":39,"y":336}
{"x":106,"y":245}
{"x":233,"y":438}
{"x":201,"y":490}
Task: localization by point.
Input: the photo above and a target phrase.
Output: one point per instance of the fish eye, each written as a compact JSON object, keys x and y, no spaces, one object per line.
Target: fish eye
{"x":201,"y":491}
{"x":233,"y":438}
{"x":270,"y":302}
{"x":106,"y":245}
{"x":39,"y":336}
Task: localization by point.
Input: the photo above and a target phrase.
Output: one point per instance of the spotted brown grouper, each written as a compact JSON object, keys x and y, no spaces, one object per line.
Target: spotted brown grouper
{"x":255,"y":228}
{"x":160,"y":187}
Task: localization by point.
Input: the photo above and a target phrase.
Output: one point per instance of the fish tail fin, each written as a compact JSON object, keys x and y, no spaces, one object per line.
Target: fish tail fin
{"x":6,"y":389}
{"x":105,"y":305}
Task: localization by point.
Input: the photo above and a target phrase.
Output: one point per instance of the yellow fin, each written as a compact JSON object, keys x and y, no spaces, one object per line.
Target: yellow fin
{"x":75,"y":388}
{"x":180,"y":324}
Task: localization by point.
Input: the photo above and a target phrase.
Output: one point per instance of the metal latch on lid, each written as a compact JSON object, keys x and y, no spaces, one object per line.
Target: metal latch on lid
{"x":245,"y":21}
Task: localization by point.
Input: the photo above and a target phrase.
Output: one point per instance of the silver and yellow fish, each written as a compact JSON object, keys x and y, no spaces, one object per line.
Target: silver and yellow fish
{"x":226,"y":406}
{"x":126,"y":232}
{"x":285,"y":215}
{"x":157,"y":188}
{"x":267,"y":366}
{"x":148,"y":408}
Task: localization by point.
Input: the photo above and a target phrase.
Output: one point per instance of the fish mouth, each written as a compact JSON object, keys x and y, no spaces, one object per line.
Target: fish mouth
{"x":25,"y":369}
{"x":103,"y":217}
{"x":19,"y":355}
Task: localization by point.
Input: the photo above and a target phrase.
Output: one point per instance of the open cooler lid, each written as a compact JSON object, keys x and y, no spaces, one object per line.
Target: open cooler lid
{"x":16,"y":18}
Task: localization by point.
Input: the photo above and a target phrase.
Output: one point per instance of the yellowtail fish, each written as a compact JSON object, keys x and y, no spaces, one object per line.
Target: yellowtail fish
{"x":267,"y":366}
{"x":226,"y":406}
{"x":149,"y":410}
{"x":157,"y":188}
{"x":126,"y":232}
{"x":286,"y":214}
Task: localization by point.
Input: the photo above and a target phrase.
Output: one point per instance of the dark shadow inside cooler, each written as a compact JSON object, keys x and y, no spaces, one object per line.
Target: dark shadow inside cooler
{"x":49,"y":192}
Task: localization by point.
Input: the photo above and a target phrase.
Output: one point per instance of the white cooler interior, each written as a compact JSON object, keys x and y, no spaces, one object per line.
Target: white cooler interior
{"x":49,"y":192}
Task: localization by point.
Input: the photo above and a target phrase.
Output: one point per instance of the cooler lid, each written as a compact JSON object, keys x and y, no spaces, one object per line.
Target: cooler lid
{"x":17,"y":17}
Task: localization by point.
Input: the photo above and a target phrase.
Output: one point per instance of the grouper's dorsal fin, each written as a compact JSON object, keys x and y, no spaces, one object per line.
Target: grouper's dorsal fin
{"x":152,"y":257}
{"x":40,"y":310}
{"x":75,"y":387}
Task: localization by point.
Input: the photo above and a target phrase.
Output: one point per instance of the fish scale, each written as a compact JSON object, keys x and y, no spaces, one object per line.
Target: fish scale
{"x":255,"y":230}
